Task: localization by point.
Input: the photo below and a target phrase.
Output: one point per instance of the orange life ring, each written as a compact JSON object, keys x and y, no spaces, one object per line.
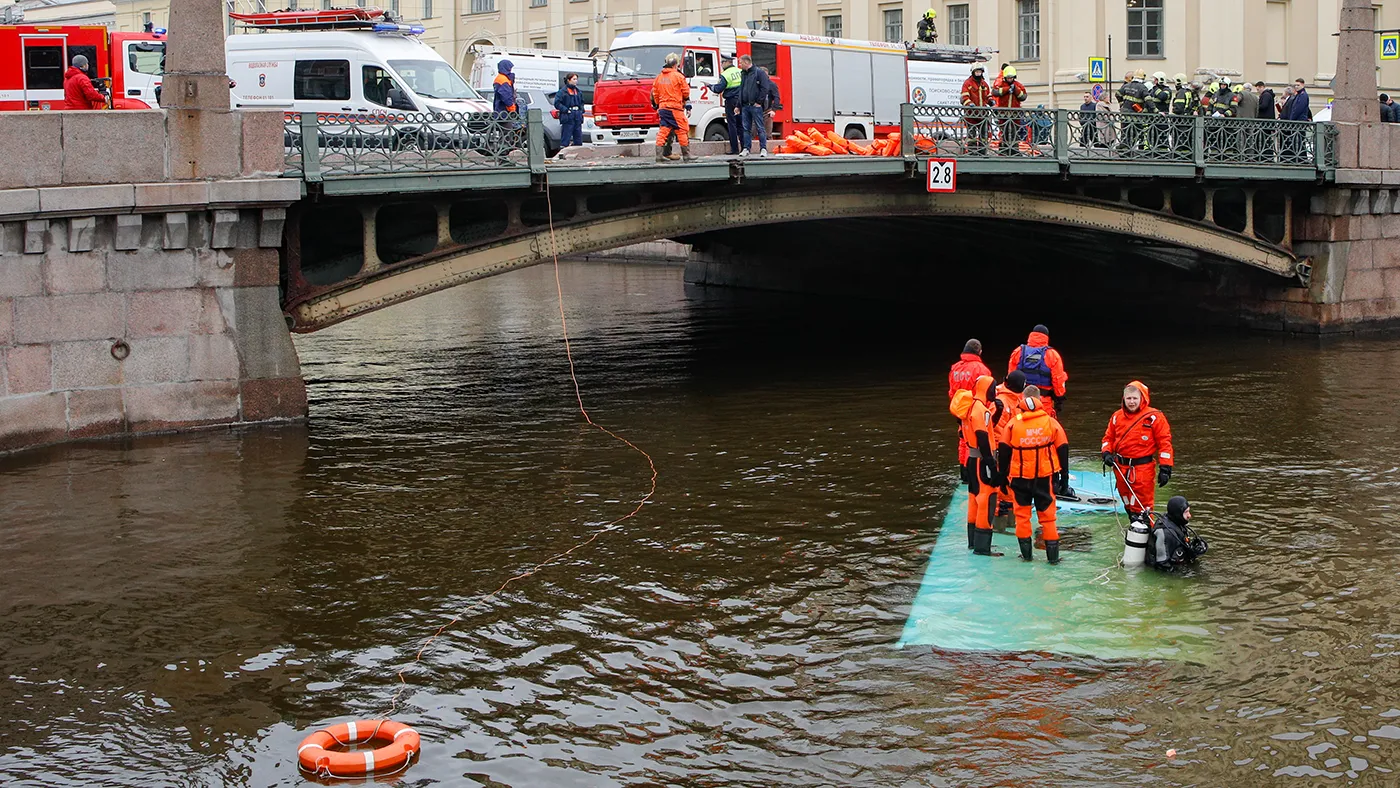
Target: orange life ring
{"x":401,"y":744}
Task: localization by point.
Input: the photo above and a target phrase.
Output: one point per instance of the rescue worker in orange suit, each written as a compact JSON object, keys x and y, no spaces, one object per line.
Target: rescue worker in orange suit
{"x":1043,"y":367}
{"x":1035,"y":459}
{"x":1009,"y":93}
{"x":1007,"y":405}
{"x":78,"y":92}
{"x":977,"y":94}
{"x":980,"y":470}
{"x":964,"y":373}
{"x":670,"y":93}
{"x":1138,"y":437}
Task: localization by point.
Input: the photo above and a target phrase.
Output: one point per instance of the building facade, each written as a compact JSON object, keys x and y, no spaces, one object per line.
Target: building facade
{"x":1049,"y":41}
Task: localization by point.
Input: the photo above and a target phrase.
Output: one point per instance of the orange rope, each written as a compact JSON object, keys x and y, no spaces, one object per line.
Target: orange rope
{"x":593,"y":537}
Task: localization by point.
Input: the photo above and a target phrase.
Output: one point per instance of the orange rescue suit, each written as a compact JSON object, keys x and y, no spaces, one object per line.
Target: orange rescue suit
{"x":978,"y":428}
{"x":1035,"y":438}
{"x":1031,"y":457}
{"x":964,"y":373}
{"x":1138,"y":441}
{"x":670,"y":90}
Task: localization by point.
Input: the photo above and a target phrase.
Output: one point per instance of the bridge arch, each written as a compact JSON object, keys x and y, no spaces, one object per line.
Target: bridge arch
{"x":378,"y":285}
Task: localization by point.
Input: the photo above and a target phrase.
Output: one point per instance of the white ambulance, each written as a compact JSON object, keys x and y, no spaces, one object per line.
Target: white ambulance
{"x":332,"y":66}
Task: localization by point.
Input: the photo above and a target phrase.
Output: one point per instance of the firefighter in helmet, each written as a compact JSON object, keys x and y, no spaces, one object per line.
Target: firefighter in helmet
{"x":928,"y":32}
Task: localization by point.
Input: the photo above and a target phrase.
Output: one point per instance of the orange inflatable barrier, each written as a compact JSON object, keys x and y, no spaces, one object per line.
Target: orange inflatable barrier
{"x":819,"y":150}
{"x":400,"y":744}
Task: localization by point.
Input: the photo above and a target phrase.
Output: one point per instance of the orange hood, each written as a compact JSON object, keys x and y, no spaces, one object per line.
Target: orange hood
{"x":963,"y":400}
{"x":1037,"y":339}
{"x":982,"y":389}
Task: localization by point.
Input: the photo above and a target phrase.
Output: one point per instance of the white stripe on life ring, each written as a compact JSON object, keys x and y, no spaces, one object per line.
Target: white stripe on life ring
{"x":306,"y":747}
{"x":350,"y":731}
{"x":402,"y":732}
{"x":369,"y":761}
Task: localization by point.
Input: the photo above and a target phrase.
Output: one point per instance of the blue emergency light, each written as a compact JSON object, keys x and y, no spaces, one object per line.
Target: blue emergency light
{"x":160,"y":31}
{"x":389,"y":27}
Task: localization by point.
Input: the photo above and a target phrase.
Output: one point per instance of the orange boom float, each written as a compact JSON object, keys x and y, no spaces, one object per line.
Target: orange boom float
{"x":401,"y":743}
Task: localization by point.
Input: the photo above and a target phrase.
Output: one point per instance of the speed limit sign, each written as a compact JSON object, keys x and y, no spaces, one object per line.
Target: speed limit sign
{"x":942,"y":175}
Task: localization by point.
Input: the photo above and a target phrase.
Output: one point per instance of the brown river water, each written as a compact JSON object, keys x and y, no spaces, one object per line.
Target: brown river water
{"x":183,"y":610}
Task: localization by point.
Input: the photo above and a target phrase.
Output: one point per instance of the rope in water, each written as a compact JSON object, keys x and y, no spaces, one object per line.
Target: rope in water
{"x":597,"y":532}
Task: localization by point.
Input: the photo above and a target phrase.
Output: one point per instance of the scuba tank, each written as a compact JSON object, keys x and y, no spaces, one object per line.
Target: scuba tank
{"x":1135,"y":544}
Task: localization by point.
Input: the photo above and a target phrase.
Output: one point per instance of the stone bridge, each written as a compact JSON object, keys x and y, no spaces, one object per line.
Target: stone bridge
{"x":155,"y":290}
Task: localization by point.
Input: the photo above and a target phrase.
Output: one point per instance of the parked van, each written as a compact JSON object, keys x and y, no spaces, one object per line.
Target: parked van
{"x":346,"y":71}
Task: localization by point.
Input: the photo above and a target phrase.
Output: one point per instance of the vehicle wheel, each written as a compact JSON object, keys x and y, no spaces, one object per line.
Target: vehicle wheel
{"x":716,"y":132}
{"x":855,"y":133}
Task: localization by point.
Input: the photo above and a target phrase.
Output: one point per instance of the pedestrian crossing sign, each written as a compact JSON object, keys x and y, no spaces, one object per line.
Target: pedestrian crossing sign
{"x":1098,"y":69}
{"x":1390,"y":46}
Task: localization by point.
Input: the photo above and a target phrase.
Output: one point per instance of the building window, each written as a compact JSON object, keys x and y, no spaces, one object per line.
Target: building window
{"x":483,"y":6}
{"x":831,"y":26}
{"x":427,"y":9}
{"x":321,"y":80}
{"x":1028,"y":29}
{"x":538,"y":3}
{"x":228,"y":20}
{"x":1276,"y":32}
{"x":894,"y":24}
{"x":581,"y":45}
{"x":326,"y":4}
{"x":540,"y":44}
{"x":778,"y":25}
{"x":393,"y":6}
{"x":958,"y":27}
{"x":146,"y":20}
{"x":1144,"y":28}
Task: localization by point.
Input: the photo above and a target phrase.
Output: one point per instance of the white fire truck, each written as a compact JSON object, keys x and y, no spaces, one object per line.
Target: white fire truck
{"x":854,"y":88}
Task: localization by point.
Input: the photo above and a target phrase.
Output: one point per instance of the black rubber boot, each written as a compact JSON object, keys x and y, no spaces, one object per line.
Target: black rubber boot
{"x":971,"y":539}
{"x":1003,"y":508}
{"x":983,"y":539}
{"x":1052,"y":551}
{"x":1025,"y":542}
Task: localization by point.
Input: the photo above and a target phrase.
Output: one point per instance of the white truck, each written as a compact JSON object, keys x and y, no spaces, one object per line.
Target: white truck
{"x":365,"y":71}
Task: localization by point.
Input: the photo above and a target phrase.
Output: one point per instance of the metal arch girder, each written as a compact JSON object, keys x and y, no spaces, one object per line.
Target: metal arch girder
{"x":449,"y":268}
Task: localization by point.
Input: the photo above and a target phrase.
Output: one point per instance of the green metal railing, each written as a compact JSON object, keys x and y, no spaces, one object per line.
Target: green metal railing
{"x":321,"y":147}
{"x":1070,"y":136}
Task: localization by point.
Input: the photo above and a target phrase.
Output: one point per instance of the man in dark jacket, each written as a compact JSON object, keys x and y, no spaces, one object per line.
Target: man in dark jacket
{"x":756,"y":93}
{"x":1299,"y":110}
{"x":1171,"y":544}
{"x":78,"y":92}
{"x":1390,"y":111}
{"x":1266,"y":100}
{"x":569,"y":102}
{"x":504,"y":88}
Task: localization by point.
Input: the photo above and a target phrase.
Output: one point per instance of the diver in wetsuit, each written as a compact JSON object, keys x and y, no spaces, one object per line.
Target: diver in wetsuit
{"x":1171,"y":544}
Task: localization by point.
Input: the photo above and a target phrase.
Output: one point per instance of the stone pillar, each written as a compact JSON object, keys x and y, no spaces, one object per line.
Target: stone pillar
{"x":1356,"y":65}
{"x":204,"y":136}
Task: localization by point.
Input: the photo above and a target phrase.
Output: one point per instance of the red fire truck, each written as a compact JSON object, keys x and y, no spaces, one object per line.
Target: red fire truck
{"x":854,"y":88}
{"x":33,"y":59}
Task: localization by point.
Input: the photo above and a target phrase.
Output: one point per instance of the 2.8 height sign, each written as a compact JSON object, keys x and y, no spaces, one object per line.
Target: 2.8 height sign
{"x":942,"y":175}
